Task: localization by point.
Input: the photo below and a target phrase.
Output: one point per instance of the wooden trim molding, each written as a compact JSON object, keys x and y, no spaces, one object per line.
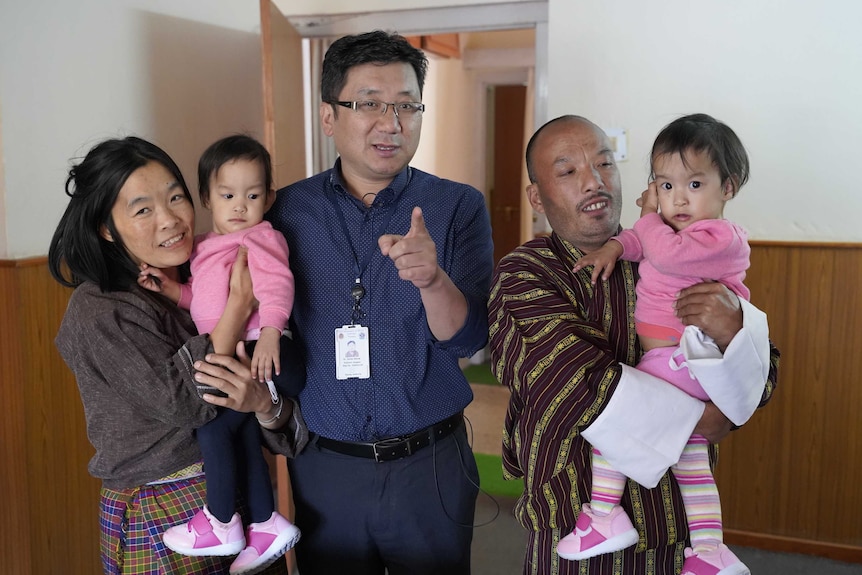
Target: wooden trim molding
{"x":767,"y":542}
{"x":805,"y":245}
{"x":444,"y":45}
{"x":25,"y":262}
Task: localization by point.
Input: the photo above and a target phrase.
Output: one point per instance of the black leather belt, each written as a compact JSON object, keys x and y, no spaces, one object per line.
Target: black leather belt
{"x":395,"y":447}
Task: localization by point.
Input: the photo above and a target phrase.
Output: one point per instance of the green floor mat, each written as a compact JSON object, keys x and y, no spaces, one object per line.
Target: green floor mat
{"x":480,"y":374}
{"x":491,"y":477}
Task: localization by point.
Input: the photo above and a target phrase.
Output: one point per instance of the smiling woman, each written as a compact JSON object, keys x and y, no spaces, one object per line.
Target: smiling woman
{"x":155,"y":217}
{"x":137,"y":357}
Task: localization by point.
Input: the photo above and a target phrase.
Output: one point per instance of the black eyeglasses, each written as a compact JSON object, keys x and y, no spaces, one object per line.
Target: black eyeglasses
{"x":373,"y":108}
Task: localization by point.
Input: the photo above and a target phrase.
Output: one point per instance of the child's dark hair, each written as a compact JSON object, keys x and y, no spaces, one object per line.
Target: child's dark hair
{"x":376,"y":47}
{"x":78,"y":252}
{"x":236,"y":147}
{"x":703,"y":133}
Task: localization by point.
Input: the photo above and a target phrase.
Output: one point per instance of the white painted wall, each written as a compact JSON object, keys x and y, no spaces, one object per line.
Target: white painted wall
{"x":425,"y":157}
{"x":2,"y":190}
{"x":786,"y":75}
{"x":181,"y":74}
{"x":449,"y":146}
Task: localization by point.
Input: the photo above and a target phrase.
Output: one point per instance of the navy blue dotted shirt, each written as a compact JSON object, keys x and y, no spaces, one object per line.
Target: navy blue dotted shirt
{"x":415,"y":380}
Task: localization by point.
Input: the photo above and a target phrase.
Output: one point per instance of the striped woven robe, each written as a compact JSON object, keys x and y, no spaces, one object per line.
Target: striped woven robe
{"x":557,"y":342}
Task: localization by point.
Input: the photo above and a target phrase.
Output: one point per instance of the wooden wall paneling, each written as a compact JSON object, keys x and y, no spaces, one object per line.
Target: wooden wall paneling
{"x":60,"y":499}
{"x":789,"y":478}
{"x":14,"y":513}
{"x":841,"y":365}
{"x":60,"y":481}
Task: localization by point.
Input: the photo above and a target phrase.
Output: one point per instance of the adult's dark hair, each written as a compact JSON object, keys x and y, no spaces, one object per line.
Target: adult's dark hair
{"x":78,"y":252}
{"x":376,"y":47}
{"x":703,"y":133}
{"x":237,"y":147}
{"x":531,"y":170}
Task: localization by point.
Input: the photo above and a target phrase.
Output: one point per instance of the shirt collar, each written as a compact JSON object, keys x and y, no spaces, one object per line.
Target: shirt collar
{"x":387,"y":194}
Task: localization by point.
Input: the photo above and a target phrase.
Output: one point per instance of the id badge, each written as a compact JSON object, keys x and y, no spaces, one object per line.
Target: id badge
{"x":352,"y":358}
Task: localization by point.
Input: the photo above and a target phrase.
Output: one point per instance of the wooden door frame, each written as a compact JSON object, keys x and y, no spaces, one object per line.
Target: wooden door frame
{"x":445,"y":19}
{"x":437,"y":20}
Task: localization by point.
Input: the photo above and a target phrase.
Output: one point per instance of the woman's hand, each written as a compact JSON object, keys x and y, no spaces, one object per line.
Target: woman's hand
{"x":244,"y":393}
{"x":240,"y":304}
{"x":241,"y":289}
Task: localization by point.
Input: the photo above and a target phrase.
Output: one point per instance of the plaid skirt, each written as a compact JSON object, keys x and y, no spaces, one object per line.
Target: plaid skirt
{"x":132,"y":522}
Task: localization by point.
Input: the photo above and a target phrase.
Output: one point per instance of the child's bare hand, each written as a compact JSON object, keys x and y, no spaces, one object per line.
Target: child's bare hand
{"x":648,"y":202}
{"x":604,"y":259}
{"x":265,"y":363}
{"x":151,"y":278}
{"x":154,"y":279}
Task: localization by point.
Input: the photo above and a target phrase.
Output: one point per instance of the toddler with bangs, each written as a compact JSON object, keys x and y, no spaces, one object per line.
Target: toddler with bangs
{"x":235,"y":180}
{"x":681,"y":239}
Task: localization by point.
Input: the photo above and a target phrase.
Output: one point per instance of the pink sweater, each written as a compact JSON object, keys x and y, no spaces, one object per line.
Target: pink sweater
{"x":205,"y":295}
{"x":670,"y":261}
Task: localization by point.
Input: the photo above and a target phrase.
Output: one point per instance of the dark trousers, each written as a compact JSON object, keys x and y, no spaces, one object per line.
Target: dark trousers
{"x":411,"y":516}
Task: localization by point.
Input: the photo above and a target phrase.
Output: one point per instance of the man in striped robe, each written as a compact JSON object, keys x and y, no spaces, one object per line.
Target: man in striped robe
{"x":563,"y":346}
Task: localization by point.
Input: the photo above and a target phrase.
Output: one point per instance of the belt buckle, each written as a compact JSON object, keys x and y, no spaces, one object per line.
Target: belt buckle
{"x":387,"y":443}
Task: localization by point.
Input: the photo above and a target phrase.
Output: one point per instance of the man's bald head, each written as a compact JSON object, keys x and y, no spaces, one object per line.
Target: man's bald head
{"x":531,"y":170}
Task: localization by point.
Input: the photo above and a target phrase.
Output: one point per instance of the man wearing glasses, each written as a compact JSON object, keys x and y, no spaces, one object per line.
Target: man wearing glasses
{"x":401,"y":262}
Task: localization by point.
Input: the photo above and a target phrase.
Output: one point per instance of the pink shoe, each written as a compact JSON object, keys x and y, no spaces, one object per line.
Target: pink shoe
{"x":594,"y":534}
{"x":267,"y":542}
{"x":716,"y":561}
{"x":206,"y":535}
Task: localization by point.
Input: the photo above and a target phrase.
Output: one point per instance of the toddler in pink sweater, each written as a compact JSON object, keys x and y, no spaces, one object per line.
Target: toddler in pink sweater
{"x":235,"y":179}
{"x":681,"y":239}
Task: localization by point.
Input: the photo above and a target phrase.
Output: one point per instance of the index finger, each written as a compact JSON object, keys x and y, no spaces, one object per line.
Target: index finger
{"x":417,"y":221}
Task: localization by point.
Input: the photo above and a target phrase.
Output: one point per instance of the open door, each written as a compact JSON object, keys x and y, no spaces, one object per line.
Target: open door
{"x":283,"y":109}
{"x":284,"y":138}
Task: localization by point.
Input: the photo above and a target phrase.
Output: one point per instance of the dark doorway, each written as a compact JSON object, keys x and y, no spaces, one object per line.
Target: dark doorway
{"x":505,"y":186}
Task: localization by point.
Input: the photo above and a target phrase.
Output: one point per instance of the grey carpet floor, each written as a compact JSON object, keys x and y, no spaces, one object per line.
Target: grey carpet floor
{"x":498,"y":549}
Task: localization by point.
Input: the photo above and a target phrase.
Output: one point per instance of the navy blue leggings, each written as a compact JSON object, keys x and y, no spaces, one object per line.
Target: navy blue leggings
{"x":232,"y":452}
{"x":234,"y":462}
{"x":231,"y":447}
